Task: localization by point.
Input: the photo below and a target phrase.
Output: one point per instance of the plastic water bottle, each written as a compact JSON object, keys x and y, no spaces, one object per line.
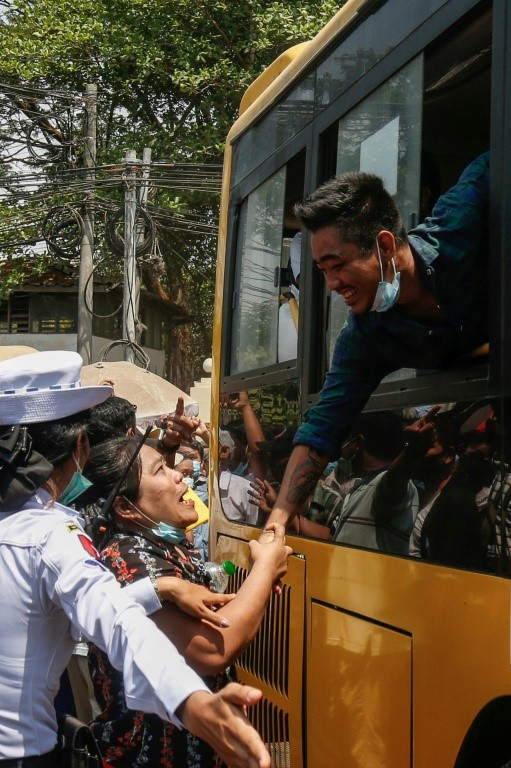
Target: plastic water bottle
{"x":218,"y":574}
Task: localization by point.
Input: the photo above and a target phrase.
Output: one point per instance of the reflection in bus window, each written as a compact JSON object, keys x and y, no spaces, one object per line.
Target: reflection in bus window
{"x":255,"y":307}
{"x":426,"y":482}
{"x":289,"y":304}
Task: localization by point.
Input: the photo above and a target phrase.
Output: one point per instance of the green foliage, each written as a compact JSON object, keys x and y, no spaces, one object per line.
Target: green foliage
{"x":170,"y":76}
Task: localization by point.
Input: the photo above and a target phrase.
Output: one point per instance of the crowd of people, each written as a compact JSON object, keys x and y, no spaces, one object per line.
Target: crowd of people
{"x":93,"y":547}
{"x":98,"y":542}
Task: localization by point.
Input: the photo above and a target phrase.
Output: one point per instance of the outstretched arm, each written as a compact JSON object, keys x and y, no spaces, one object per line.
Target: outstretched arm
{"x":209,"y":650}
{"x":304,"y":468}
{"x":220,"y":720}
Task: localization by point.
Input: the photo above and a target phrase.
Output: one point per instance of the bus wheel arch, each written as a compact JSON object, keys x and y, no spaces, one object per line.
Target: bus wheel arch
{"x":488,"y":740}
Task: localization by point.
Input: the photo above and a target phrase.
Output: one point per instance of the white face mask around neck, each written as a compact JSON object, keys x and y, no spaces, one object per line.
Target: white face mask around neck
{"x":386,"y":293}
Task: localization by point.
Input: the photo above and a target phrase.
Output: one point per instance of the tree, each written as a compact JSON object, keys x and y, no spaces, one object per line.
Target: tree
{"x":170,"y":75}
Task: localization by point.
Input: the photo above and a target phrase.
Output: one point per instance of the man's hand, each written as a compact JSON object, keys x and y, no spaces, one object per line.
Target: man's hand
{"x":194,"y":599}
{"x":421,"y":435}
{"x":273,"y":553}
{"x":220,"y":720}
{"x":236,"y":400}
{"x":202,"y":431}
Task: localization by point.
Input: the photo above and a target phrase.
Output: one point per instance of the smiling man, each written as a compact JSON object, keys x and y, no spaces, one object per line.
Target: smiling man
{"x":417,"y":300}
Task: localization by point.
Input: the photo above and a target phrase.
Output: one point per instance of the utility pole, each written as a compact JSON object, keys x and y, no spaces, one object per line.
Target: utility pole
{"x":85,"y":287}
{"x":130,"y":300}
{"x":142,"y":200}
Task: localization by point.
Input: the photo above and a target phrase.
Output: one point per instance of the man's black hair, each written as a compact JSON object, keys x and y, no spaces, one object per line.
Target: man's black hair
{"x":357,"y":204}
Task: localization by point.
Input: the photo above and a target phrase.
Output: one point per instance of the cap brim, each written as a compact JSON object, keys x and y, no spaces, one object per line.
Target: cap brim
{"x":47,"y":405}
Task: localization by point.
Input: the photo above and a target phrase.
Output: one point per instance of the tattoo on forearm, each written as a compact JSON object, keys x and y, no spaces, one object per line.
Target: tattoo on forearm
{"x":305,"y":477}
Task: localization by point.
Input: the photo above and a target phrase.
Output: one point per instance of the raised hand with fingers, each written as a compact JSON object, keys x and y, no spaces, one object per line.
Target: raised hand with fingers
{"x":421,"y":435}
{"x":177,"y":426}
{"x":262,"y":494}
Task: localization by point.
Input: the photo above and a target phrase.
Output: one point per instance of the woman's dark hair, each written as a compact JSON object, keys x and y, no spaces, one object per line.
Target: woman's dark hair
{"x":108,"y":462}
{"x":111,"y":418}
{"x":56,"y":440}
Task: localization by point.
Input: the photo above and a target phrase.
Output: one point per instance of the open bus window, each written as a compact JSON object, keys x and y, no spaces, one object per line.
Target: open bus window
{"x":404,"y":131}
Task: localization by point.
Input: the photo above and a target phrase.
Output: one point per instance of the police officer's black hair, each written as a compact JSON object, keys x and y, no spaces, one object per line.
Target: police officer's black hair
{"x":56,"y":440}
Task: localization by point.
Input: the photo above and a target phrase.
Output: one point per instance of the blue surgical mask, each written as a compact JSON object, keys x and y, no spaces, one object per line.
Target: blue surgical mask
{"x":168,"y":533}
{"x":196,"y":469}
{"x":386,"y":293}
{"x":76,"y":486}
{"x":162,"y":531}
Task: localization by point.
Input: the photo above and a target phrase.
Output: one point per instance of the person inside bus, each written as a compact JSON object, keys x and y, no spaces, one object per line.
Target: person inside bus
{"x":234,"y":488}
{"x":453,"y":489}
{"x":245,"y":459}
{"x":416,"y":300}
{"x":275,"y":452}
{"x":456,"y":530}
{"x":372,"y":515}
{"x":430,"y":459}
{"x":146,"y":537}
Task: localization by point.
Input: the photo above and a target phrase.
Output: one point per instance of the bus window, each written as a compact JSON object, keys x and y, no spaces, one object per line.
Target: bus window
{"x":403,"y":549}
{"x":255,"y":439}
{"x":255,"y":302}
{"x":268,"y":253}
{"x":382,"y":135}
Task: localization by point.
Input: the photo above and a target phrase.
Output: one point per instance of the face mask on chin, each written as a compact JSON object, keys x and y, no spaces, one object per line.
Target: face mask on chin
{"x":163,"y":531}
{"x":386,"y":293}
{"x":76,"y":486}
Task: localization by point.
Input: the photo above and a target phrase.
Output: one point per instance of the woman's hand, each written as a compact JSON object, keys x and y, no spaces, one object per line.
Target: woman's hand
{"x":272,"y":554}
{"x":194,"y":599}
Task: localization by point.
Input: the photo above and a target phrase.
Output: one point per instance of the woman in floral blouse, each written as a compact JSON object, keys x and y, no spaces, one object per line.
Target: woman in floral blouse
{"x":146,"y":538}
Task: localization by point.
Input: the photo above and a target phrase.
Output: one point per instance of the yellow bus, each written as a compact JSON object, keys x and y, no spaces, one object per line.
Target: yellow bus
{"x":368,"y":659}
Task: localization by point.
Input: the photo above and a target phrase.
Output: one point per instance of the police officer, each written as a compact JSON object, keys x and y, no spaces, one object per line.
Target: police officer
{"x":53,"y":589}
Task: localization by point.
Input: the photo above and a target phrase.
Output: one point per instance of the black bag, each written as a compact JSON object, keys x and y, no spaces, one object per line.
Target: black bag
{"x":78,"y":746}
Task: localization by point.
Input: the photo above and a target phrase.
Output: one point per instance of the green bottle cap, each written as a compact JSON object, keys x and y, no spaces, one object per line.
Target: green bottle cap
{"x":229,"y":567}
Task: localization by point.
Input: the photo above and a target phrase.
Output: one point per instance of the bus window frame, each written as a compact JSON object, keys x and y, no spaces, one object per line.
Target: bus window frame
{"x":238,"y":195}
{"x":479,"y":380}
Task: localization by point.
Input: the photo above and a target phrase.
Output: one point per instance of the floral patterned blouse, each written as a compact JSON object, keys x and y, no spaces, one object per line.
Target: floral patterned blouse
{"x":129,"y":739}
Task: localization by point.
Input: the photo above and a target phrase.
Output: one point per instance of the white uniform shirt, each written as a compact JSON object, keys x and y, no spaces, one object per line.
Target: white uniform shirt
{"x":53,"y":590}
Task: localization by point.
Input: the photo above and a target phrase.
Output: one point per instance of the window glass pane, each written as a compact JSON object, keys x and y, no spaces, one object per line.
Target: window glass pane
{"x":107,"y":318}
{"x":14,"y":315}
{"x":258,"y":257}
{"x":361,"y":50}
{"x":281,"y":123}
{"x":255,"y":441}
{"x":53,"y":313}
{"x":382,"y":135}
